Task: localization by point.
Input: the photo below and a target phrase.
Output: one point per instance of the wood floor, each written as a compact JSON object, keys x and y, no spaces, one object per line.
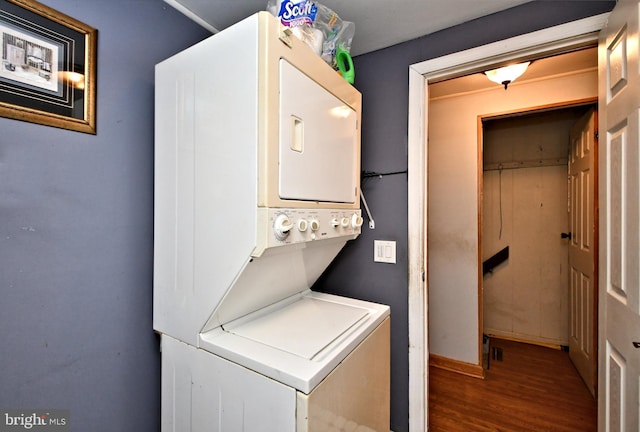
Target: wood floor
{"x":532,"y":389}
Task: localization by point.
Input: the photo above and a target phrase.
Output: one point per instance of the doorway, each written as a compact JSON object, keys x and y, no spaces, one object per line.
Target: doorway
{"x":455,"y":242}
{"x":525,"y":213}
{"x":539,"y":280}
{"x":550,"y":41}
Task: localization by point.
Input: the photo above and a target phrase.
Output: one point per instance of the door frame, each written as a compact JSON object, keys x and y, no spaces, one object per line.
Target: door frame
{"x":546,"y":42}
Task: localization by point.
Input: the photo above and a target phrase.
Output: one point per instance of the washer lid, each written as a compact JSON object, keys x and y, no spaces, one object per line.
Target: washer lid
{"x":302,"y":328}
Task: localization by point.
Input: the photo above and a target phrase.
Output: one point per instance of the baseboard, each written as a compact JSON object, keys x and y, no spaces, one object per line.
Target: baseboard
{"x":527,"y":340}
{"x":458,"y":366}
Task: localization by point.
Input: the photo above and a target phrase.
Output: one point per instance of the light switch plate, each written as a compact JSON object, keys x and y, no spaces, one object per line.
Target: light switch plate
{"x":384,"y":251}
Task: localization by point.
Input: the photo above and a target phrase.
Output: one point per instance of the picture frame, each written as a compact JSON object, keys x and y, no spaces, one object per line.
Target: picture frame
{"x":48,"y":67}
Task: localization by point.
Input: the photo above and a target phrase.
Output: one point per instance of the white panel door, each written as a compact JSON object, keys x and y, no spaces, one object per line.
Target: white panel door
{"x":582,"y":286}
{"x":619,"y":96}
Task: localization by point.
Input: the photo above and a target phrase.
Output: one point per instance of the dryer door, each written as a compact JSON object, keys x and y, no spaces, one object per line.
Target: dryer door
{"x":318,"y":141}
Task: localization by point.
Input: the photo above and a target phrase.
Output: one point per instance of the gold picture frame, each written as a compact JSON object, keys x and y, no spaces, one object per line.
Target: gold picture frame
{"x":48,"y":69}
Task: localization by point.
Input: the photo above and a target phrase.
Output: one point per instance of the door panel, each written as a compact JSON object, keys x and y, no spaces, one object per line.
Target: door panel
{"x":582,"y":284}
{"x":619,"y":96}
{"x":318,"y":141}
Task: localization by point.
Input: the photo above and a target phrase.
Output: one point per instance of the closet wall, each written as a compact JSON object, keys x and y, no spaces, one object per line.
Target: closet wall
{"x":525,"y":208}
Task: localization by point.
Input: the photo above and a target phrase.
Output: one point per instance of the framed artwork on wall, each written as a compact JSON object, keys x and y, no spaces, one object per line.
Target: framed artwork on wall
{"x":48,"y":70}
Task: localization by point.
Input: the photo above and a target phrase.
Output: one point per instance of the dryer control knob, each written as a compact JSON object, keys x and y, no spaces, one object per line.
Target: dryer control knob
{"x":282,"y":226}
{"x":302,"y":225}
{"x":356,"y":221}
{"x":345,"y":222}
{"x":315,"y":224}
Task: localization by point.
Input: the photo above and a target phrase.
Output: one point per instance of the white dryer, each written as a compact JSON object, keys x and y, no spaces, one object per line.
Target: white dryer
{"x":257,"y":174}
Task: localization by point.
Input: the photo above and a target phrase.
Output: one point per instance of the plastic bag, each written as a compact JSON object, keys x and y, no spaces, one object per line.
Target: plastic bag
{"x":315,"y":24}
{"x":337,"y":33}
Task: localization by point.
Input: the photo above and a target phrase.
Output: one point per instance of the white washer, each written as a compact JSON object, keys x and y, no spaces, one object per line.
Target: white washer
{"x":298,"y":341}
{"x":267,"y":374}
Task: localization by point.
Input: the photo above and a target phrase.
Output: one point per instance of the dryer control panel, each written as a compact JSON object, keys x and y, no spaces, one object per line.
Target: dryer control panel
{"x":284,"y":226}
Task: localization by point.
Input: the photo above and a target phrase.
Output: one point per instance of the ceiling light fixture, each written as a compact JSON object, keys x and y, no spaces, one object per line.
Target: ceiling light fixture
{"x":508,"y":74}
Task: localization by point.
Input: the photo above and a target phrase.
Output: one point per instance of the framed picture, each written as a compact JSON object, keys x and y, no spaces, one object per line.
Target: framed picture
{"x":48,"y":70}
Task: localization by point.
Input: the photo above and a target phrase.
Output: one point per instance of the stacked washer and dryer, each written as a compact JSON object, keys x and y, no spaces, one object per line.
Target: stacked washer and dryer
{"x":257,"y":176}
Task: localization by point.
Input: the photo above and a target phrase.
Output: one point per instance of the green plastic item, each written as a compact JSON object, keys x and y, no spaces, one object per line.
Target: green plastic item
{"x":345,"y":65}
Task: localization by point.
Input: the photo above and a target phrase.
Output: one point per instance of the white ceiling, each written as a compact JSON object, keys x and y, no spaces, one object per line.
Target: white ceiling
{"x":378,"y":23}
{"x":383,"y":23}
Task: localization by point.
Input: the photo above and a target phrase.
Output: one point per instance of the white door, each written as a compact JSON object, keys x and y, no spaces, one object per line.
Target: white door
{"x":582,"y":284}
{"x":619,"y":312}
{"x":319,"y":143}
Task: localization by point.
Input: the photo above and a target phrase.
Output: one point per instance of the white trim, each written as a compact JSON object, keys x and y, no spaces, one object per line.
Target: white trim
{"x":553,"y":39}
{"x":537,"y":44}
{"x":417,"y":208}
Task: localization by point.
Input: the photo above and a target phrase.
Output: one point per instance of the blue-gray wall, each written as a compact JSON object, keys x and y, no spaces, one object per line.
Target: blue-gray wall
{"x":76,"y":215}
{"x":382,"y":77}
{"x":76,"y":237}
